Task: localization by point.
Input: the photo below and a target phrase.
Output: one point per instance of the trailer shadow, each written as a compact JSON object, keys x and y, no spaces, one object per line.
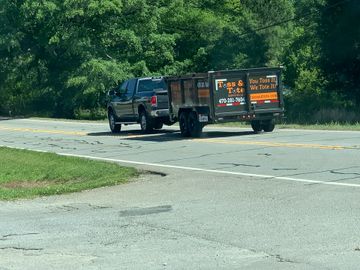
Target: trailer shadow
{"x":169,"y":135}
{"x":156,"y":135}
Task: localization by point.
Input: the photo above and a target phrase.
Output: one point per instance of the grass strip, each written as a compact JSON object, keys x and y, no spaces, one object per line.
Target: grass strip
{"x":330,"y":126}
{"x":29,"y":174}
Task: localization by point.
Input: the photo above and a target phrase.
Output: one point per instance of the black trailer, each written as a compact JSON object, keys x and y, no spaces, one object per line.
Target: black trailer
{"x":252,"y":95}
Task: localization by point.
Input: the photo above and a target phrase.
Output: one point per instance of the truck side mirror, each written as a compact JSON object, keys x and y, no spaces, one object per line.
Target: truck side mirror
{"x":111,"y":92}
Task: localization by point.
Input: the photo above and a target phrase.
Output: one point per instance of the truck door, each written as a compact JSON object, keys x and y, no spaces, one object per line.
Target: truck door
{"x":229,"y":94}
{"x":119,"y":92}
{"x":126,"y":102}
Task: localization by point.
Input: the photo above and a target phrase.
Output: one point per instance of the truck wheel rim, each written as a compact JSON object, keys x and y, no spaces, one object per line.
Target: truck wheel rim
{"x":112,"y":121}
{"x":183,"y":124}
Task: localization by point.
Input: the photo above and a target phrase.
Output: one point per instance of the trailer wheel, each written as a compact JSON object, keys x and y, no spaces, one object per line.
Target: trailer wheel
{"x":145,"y":123}
{"x":256,"y":126}
{"x":268,"y":126}
{"x":115,"y":128}
{"x":183,"y":122}
{"x":195,"y":127}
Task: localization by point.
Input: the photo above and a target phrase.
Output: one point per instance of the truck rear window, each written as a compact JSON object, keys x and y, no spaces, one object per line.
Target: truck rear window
{"x":151,"y":85}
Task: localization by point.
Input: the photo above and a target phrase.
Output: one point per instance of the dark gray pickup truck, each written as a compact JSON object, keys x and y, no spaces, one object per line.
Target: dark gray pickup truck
{"x":139,"y":100}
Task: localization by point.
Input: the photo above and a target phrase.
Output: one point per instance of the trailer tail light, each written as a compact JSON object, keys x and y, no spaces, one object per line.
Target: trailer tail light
{"x":153,"y":101}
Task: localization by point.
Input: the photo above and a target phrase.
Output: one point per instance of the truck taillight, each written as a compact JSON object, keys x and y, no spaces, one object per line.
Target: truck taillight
{"x":153,"y":101}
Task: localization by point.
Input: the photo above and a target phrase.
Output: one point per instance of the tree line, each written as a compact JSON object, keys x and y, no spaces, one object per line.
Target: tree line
{"x":58,"y":57}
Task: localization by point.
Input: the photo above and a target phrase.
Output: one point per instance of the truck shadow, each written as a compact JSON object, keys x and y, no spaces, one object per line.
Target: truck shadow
{"x":129,"y":133}
{"x":169,"y":135}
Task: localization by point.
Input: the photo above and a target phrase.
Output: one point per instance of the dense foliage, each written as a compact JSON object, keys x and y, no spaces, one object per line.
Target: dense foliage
{"x":59,"y":56}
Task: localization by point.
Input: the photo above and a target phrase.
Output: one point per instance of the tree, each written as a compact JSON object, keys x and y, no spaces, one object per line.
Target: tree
{"x":340,"y":36}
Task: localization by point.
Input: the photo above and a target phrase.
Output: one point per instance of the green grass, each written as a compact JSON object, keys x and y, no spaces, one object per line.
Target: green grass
{"x":28,"y":174}
{"x":330,"y":126}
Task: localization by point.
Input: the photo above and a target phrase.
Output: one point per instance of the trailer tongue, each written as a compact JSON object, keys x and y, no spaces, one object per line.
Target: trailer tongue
{"x":252,"y":95}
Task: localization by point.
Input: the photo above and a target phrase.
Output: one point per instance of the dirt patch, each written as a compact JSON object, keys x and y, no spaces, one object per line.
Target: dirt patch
{"x":26,"y":184}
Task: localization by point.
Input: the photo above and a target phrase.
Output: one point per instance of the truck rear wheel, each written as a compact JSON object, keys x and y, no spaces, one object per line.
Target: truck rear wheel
{"x":256,"y":126}
{"x":194,"y":126}
{"x":158,"y":125}
{"x":115,"y":128}
{"x":268,"y":126}
{"x":145,"y":122}
{"x":183,"y":122}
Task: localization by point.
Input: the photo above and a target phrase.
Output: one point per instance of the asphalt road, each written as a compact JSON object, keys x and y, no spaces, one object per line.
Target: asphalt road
{"x":230,"y":200}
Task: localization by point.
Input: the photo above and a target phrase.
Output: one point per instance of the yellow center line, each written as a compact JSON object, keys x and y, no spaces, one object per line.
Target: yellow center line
{"x":274,"y":144}
{"x":215,"y":141}
{"x":63,"y":132}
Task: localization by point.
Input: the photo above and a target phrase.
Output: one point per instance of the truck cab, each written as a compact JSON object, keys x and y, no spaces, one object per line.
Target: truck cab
{"x":139,"y":100}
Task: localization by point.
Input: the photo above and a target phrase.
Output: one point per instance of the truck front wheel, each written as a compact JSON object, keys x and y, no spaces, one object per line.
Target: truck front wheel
{"x":145,"y":123}
{"x":268,"y":126}
{"x":158,"y":125}
{"x":115,"y":128}
{"x":194,"y":126}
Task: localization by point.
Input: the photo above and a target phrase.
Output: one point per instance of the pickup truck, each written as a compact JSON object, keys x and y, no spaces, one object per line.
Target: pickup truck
{"x":139,"y":100}
{"x":249,"y":95}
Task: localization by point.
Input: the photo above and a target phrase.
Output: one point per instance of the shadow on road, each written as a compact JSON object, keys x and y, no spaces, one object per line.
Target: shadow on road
{"x":168,"y":135}
{"x":128,"y":133}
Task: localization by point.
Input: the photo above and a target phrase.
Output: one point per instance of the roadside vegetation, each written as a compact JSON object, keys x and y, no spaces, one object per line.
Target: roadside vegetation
{"x":328,"y":126}
{"x":59,"y":58}
{"x":28,"y":174}
{"x":316,"y":126}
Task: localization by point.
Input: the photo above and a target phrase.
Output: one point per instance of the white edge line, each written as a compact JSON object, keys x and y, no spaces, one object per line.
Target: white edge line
{"x":290,"y":179}
{"x":214,"y":171}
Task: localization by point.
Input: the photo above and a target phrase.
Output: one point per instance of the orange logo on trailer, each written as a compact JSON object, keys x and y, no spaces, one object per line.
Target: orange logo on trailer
{"x":264,"y":96}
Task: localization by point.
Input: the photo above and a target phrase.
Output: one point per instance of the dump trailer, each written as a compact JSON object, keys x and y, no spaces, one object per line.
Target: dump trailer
{"x":251,"y":95}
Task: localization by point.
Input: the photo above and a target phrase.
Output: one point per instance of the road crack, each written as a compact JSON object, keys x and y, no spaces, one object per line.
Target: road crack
{"x":17,"y":234}
{"x":22,"y":248}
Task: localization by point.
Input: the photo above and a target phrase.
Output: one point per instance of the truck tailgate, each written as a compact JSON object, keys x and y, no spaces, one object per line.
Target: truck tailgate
{"x":162,"y":99}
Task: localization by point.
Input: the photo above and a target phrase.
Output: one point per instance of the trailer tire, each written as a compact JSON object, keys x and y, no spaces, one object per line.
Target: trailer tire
{"x":115,"y":128}
{"x":194,"y":126}
{"x":256,"y":126}
{"x":268,"y":126}
{"x":183,"y":122}
{"x":145,"y":123}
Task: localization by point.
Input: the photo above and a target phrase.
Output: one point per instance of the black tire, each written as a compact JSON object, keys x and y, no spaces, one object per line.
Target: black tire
{"x":268,"y":126}
{"x":256,"y":126}
{"x":115,"y":128}
{"x":146,"y":123}
{"x":158,"y":125}
{"x":194,"y":126}
{"x":183,"y":122}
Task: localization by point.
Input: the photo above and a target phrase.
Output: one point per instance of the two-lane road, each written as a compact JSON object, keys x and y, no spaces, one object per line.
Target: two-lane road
{"x":229,"y":200}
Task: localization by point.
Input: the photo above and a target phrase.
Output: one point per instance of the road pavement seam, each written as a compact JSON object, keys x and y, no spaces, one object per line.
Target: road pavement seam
{"x":269,"y":177}
{"x":217,"y":141}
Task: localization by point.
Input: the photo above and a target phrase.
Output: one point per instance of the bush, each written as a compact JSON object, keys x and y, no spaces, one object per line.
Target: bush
{"x":93,"y":114}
